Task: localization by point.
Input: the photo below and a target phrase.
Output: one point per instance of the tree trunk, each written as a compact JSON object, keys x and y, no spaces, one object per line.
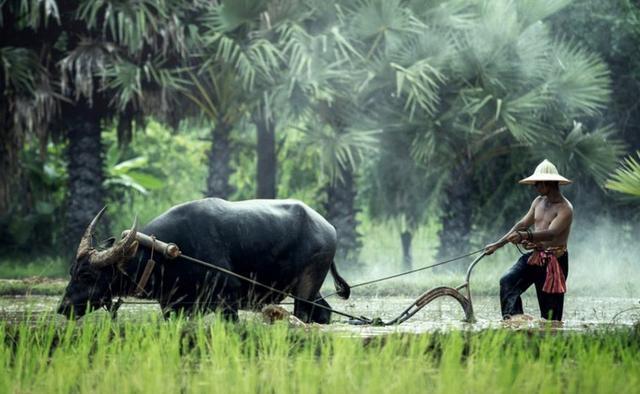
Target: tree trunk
{"x":85,"y":170}
{"x":407,"y":259}
{"x":10,"y":145}
{"x":341,"y":212}
{"x":267,"y":160}
{"x":220,"y":162}
{"x":457,"y":215}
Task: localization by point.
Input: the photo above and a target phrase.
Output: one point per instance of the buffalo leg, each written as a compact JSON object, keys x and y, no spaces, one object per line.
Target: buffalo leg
{"x":309,"y":313}
{"x":308,"y":288}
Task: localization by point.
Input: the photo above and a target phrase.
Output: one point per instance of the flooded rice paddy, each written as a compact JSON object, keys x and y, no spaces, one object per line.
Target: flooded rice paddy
{"x":443,"y":314}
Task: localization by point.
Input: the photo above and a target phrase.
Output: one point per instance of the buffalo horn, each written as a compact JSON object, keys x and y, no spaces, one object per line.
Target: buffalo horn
{"x":119,"y":252}
{"x":86,"y":243}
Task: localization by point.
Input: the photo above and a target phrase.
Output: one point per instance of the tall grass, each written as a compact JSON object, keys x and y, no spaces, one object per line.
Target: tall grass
{"x":198,"y":355}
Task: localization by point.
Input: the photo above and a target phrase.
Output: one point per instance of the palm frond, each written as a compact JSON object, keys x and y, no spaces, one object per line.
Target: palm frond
{"x":279,"y":12}
{"x":585,"y":154}
{"x":420,"y":83}
{"x":523,"y":115}
{"x":344,"y":48}
{"x":125,"y":79}
{"x":133,"y":24}
{"x":203,"y":98}
{"x":498,"y":21}
{"x":127,"y":82}
{"x":424,"y":147}
{"x":20,"y":68}
{"x":338,"y":149}
{"x":374,"y":17}
{"x":533,"y":47}
{"x":87,"y":60}
{"x":266,"y":57}
{"x":30,"y":13}
{"x":626,"y":179}
{"x":297,"y":46}
{"x":169,"y":80}
{"x":29,"y":100}
{"x":581,"y":81}
{"x":216,"y":94}
{"x":486,"y":50}
{"x":531,"y":11}
{"x":257,"y":59}
{"x":457,"y":14}
{"x":381,"y":24}
{"x":34,"y":112}
{"x":432,"y":44}
{"x":228,"y":15}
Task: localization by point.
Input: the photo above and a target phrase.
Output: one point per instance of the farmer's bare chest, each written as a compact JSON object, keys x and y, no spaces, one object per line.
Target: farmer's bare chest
{"x":545,"y":212}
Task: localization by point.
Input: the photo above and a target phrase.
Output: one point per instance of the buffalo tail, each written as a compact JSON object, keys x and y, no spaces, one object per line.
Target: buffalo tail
{"x":342,"y":287}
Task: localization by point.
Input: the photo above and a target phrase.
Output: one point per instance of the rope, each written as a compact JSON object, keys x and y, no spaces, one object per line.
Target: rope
{"x":362,"y":319}
{"x":353,"y":286}
{"x":411,"y":271}
{"x":273,"y":289}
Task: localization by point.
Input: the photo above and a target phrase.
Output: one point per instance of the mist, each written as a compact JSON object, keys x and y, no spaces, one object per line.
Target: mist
{"x":603,"y":261}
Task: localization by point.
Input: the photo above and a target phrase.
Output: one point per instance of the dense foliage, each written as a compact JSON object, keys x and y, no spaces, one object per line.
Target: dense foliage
{"x":376,"y":111}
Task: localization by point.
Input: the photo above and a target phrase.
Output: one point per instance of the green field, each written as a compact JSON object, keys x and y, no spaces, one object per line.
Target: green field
{"x":44,"y":354}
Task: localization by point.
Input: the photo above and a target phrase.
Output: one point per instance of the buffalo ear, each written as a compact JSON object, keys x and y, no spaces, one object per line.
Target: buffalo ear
{"x":107,"y":243}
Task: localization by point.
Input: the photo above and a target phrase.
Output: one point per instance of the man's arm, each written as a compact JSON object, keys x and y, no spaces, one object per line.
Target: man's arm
{"x":523,"y":224}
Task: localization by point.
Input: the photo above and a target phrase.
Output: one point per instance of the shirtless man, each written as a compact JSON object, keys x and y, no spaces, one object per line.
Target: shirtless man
{"x":546,"y":265}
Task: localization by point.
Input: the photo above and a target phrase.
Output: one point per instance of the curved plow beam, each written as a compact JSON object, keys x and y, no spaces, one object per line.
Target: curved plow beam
{"x":431,"y":295}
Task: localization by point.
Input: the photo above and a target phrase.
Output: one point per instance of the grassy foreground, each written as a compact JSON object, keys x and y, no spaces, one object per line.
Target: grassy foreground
{"x":47,"y":355}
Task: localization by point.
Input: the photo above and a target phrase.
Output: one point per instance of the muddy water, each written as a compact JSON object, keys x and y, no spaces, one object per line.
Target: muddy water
{"x":581,"y":313}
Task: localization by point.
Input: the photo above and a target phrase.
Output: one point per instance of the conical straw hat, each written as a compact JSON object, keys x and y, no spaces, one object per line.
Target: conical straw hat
{"x":545,"y":171}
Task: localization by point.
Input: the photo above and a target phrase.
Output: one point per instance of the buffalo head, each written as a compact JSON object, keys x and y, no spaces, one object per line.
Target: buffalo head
{"x":94,"y":272}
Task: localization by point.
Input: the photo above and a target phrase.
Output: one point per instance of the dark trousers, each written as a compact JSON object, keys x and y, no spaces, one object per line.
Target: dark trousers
{"x":520,"y":277}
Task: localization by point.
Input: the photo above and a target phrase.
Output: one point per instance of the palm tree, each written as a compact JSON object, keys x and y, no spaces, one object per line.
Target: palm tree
{"x":104,"y":56}
{"x":485,"y":81}
{"x":340,"y":147}
{"x":388,"y":36}
{"x":322,"y":69}
{"x":242,"y":37}
{"x":29,"y":99}
{"x":217,"y":97}
{"x":525,"y":92}
{"x":478,"y":85}
{"x":115,"y":62}
{"x":401,"y":190}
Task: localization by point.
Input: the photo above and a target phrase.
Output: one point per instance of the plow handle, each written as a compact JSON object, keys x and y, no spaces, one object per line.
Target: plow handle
{"x":471,"y":266}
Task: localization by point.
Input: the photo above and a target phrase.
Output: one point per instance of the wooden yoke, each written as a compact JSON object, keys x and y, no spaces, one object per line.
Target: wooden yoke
{"x":168,"y":250}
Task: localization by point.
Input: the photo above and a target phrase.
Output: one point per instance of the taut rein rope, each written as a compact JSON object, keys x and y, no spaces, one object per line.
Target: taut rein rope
{"x":171,"y":251}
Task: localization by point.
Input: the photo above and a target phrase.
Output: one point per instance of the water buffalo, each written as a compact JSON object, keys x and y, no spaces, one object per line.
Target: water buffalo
{"x":281,"y":243}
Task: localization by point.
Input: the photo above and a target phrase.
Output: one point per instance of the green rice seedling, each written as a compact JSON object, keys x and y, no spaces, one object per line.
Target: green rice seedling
{"x":43,"y":353}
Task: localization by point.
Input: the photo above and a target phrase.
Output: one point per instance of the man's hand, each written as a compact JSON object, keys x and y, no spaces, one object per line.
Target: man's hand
{"x":514,"y":238}
{"x":489,"y":249}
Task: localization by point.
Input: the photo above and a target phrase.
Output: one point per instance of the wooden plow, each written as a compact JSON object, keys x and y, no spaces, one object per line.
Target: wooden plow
{"x":462,"y":294}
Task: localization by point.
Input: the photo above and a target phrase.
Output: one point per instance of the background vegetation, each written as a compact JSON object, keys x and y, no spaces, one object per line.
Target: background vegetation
{"x":406,"y":123}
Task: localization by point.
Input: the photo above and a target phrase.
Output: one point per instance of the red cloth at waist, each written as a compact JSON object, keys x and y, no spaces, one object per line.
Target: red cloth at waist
{"x":555,"y":282}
